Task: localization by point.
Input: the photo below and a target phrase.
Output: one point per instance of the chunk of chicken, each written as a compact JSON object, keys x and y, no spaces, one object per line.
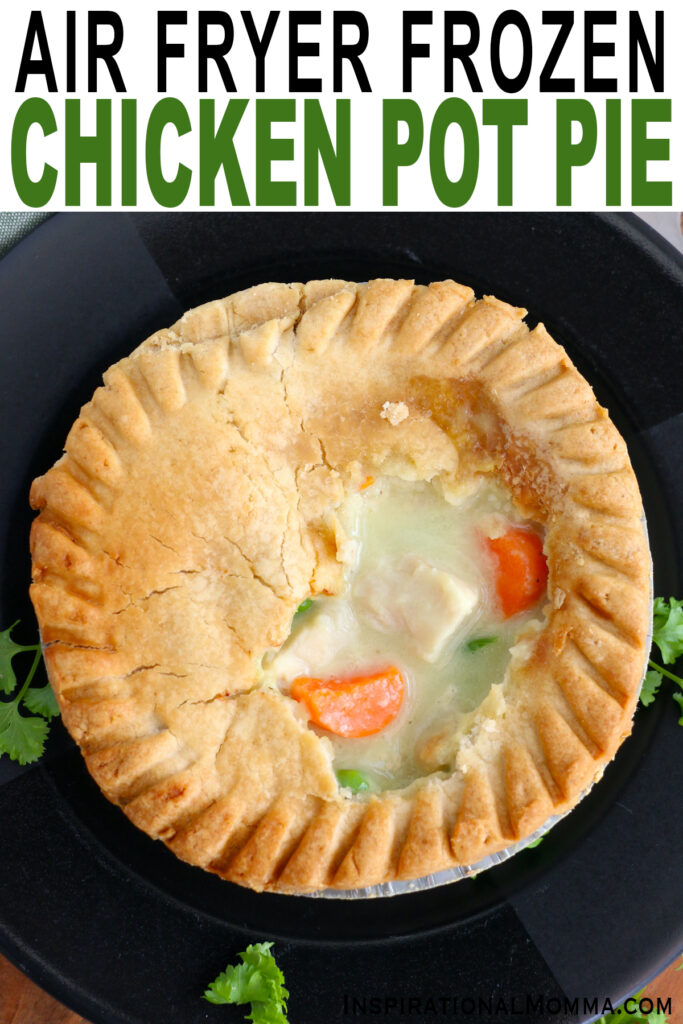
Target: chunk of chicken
{"x":413,"y":598}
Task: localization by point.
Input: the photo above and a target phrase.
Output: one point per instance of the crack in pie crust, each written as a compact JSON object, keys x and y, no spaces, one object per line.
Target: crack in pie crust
{"x":194,"y":510}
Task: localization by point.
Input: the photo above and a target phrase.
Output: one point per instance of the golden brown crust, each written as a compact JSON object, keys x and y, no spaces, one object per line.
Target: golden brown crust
{"x":191,"y":513}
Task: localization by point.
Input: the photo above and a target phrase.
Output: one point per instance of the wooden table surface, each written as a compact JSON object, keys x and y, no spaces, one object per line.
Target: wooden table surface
{"x":22,"y":1002}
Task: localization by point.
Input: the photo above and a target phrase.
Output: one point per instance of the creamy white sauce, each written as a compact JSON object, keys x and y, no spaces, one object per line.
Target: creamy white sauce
{"x":409,"y":545}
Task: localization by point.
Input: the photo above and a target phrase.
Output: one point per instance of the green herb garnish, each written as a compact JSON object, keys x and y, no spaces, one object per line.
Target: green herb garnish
{"x":678,"y":697}
{"x":257,"y":980}
{"x":620,"y":1015}
{"x":667,"y":635}
{"x":351,"y":779}
{"x":479,"y":642}
{"x":536,"y":842}
{"x":667,"y":628}
{"x":23,"y":737}
{"x":651,"y":683}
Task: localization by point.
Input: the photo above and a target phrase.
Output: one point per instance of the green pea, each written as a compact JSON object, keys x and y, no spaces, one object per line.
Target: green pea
{"x":349,"y":778}
{"x":480,"y":641}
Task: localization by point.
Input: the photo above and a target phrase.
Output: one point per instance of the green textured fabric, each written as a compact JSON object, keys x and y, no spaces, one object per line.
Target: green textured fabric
{"x":13,"y":227}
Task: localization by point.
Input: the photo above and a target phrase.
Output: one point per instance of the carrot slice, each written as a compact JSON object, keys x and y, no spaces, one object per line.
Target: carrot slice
{"x":521,"y":569}
{"x":355,"y":706}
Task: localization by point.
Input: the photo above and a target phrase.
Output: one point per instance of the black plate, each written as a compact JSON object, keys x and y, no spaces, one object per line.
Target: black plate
{"x":112,"y":923}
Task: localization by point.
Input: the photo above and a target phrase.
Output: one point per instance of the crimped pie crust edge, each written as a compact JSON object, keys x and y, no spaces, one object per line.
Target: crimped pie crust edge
{"x":568,"y":707}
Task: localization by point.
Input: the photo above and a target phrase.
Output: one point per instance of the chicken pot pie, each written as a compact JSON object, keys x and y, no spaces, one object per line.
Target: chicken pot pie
{"x":343,"y":583}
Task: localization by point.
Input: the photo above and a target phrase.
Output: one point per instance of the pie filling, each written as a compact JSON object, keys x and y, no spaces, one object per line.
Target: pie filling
{"x":436,"y":594}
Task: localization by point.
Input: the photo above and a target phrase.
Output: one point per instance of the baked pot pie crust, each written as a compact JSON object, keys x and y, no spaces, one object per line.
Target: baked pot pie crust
{"x":194,"y":510}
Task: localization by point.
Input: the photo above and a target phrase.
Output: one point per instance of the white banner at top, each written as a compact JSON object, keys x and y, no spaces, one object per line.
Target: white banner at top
{"x":350,"y":105}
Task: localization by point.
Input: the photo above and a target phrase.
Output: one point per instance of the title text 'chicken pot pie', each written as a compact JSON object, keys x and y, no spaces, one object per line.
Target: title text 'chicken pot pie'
{"x":343,"y":583}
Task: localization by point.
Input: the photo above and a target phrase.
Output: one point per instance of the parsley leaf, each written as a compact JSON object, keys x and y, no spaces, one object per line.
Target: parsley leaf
{"x":651,"y":683}
{"x":620,"y":1016}
{"x":22,"y":738}
{"x":265,"y":1013}
{"x":240,"y":984}
{"x":667,"y":634}
{"x":8,"y":649}
{"x":667,"y":628}
{"x":42,"y":701}
{"x":678,"y":697}
{"x":257,"y":980}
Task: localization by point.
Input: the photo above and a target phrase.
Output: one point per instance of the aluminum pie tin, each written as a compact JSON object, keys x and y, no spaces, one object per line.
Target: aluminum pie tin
{"x":455,"y":874}
{"x":451,"y":875}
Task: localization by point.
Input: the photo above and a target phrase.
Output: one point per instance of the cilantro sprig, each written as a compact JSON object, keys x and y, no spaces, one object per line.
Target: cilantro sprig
{"x":22,"y":736}
{"x":257,"y":980}
{"x":623,"y":1016}
{"x":667,"y":635}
